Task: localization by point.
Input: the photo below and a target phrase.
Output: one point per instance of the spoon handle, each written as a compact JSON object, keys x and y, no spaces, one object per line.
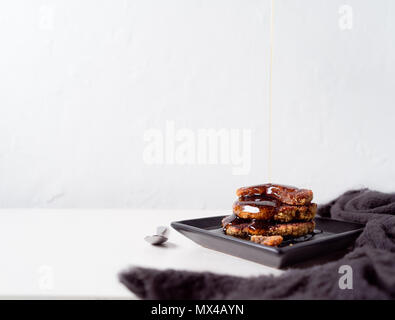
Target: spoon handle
{"x":161,"y":230}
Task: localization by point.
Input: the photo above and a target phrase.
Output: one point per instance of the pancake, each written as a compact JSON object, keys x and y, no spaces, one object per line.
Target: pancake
{"x":272,"y":241}
{"x":235,"y":226}
{"x":285,"y":194}
{"x":273,"y":210}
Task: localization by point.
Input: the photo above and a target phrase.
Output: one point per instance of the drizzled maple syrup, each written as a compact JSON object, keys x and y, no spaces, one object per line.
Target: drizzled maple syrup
{"x":270,"y":91}
{"x":251,"y":224}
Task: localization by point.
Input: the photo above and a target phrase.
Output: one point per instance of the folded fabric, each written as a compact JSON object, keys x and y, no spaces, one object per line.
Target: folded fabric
{"x":372,"y":260}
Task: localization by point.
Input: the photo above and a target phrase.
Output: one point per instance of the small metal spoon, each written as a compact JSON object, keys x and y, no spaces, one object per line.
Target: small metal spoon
{"x":159,"y":238}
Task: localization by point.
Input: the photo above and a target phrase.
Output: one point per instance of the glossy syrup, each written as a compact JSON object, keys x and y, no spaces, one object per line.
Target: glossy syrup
{"x":251,"y":224}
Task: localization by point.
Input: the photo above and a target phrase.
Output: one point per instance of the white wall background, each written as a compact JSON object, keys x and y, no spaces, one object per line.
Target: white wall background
{"x":81,"y":81}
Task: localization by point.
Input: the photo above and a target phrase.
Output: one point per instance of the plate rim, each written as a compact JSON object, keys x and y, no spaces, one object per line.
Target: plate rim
{"x":269,"y":249}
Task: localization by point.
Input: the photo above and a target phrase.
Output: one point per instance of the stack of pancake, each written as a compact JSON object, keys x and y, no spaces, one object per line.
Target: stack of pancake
{"x":266,"y":213}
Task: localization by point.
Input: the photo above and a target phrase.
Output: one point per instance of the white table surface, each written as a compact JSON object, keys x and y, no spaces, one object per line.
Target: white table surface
{"x":77,"y":253}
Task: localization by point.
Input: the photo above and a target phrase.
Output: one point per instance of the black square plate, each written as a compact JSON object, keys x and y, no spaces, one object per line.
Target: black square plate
{"x":330,"y":235}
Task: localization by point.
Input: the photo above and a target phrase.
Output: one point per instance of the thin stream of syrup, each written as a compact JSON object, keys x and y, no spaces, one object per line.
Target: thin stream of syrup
{"x":270,"y":91}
